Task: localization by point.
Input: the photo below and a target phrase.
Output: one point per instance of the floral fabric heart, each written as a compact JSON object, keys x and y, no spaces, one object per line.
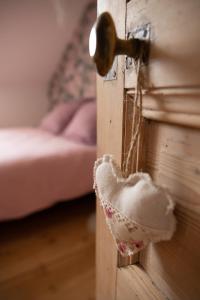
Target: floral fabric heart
{"x":137,"y":212}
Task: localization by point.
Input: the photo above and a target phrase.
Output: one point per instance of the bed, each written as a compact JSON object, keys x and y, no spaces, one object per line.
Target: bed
{"x":53,"y":162}
{"x":39,"y":168}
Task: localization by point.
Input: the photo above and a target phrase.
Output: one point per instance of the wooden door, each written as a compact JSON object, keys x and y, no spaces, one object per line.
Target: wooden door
{"x":170,"y":149}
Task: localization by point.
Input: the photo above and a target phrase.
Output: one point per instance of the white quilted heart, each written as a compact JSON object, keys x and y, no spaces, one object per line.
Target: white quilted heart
{"x":137,"y":211}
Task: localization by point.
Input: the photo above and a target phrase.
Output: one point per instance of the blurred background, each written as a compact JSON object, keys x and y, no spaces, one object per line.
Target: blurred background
{"x":33,"y":36}
{"x":47,"y":150}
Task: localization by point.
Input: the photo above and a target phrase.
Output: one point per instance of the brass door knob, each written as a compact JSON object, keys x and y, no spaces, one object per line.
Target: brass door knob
{"x":104,"y":44}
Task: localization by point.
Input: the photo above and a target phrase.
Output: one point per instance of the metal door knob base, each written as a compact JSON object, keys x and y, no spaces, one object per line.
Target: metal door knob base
{"x":104,"y":44}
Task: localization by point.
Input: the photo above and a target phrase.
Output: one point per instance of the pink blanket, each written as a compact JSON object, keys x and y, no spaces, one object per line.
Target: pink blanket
{"x":38,"y":168}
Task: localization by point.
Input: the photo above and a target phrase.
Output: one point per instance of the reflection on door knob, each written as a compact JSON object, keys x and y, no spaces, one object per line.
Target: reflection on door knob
{"x":104,"y":44}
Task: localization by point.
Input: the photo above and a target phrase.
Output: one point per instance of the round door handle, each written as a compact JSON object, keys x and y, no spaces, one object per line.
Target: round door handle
{"x":104,"y":44}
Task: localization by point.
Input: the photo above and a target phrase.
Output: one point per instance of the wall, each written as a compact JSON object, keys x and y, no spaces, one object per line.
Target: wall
{"x":33,"y":34}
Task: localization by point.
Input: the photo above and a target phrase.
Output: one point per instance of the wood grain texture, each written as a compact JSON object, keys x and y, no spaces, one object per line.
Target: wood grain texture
{"x":134,"y":284}
{"x":173,"y":160}
{"x":109,"y":136}
{"x":175,"y":42}
{"x":171,"y":96}
{"x":48,"y":255}
{"x":177,"y":106}
{"x":172,"y":118}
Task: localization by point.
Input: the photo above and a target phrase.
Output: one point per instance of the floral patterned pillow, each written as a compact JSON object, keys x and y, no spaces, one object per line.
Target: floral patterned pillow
{"x":75,"y":76}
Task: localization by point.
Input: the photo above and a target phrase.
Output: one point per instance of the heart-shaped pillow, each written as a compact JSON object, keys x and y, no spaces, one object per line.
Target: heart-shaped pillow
{"x":137,"y":211}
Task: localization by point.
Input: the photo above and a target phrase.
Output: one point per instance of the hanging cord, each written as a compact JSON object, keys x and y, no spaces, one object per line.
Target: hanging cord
{"x":135,"y":128}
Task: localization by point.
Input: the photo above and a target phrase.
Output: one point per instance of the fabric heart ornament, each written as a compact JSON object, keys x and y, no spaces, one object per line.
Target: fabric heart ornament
{"x":137,"y":211}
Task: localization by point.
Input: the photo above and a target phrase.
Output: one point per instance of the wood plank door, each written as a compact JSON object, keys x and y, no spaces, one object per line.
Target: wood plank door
{"x":110,"y":95}
{"x":170,"y":150}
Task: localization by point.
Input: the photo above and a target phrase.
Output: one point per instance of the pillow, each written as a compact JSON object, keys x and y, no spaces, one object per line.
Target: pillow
{"x":82,"y":128}
{"x":56,"y":120}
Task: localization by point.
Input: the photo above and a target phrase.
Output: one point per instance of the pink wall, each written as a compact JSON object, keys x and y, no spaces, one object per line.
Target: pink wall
{"x":33,"y":34}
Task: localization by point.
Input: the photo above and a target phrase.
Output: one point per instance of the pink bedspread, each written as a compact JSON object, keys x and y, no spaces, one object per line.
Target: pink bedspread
{"x":38,"y":169}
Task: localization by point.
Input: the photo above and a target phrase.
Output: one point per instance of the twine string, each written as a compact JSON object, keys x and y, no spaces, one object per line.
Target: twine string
{"x":136,"y":124}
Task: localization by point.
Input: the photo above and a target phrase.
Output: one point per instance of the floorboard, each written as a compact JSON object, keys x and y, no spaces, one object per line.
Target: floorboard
{"x":49,"y":255}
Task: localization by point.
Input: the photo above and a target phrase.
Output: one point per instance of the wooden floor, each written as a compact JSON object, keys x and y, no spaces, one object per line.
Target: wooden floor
{"x":49,"y":255}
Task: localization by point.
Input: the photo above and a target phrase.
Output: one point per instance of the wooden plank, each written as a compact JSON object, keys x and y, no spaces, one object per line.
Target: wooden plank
{"x":180,"y":100}
{"x":134,"y":284}
{"x":109,"y":136}
{"x":175,"y":42}
{"x":176,"y":106}
{"x":192,"y":120}
{"x":47,"y":255}
{"x":56,"y":280}
{"x":173,"y":160}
